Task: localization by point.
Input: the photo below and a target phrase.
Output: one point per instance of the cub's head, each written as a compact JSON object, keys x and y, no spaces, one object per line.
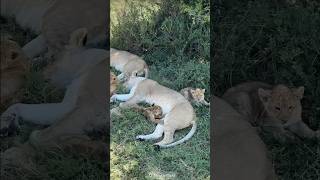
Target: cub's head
{"x":12,"y":56}
{"x":113,"y":83}
{"x":282,"y":103}
{"x":197,"y":94}
{"x":156,"y":111}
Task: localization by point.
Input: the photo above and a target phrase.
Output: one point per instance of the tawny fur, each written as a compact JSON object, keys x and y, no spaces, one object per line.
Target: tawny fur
{"x":127,"y":63}
{"x":177,"y":110}
{"x":238,"y":151}
{"x":152,"y":113}
{"x":274,"y":108}
{"x":113,"y":83}
{"x":53,"y":21}
{"x":195,"y":95}
{"x":81,"y":71}
{"x":13,"y":69}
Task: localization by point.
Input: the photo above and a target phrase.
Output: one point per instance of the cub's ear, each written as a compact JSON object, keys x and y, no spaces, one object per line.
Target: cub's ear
{"x":264,"y":95}
{"x":299,"y":92}
{"x":78,"y":38}
{"x":203,"y":90}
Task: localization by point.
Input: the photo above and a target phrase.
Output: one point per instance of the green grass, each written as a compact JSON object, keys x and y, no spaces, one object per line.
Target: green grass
{"x":173,"y":38}
{"x":274,"y":42}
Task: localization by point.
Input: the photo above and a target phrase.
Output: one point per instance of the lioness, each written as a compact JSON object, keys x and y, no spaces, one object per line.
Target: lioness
{"x":238,"y":151}
{"x":178,"y":112}
{"x":127,"y":63}
{"x":82,"y":71}
{"x":13,"y":69}
{"x":55,"y":20}
{"x":274,"y":108}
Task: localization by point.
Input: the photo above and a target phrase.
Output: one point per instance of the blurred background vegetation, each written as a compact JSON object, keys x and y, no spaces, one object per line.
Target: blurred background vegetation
{"x":275,"y":41}
{"x":173,"y":37}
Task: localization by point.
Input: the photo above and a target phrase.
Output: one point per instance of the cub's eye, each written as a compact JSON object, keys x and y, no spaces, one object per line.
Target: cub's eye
{"x":290,"y":107}
{"x":278,"y":108}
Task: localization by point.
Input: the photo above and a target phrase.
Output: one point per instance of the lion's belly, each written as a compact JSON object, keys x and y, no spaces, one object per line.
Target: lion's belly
{"x":166,"y":104}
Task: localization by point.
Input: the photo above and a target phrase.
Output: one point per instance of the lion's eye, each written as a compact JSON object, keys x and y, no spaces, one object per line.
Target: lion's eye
{"x":278,"y":108}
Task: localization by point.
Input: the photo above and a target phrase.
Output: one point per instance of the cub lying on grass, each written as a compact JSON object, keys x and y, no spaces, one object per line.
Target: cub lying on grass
{"x":238,"y":151}
{"x":274,"y":108}
{"x":127,"y":63}
{"x":152,"y":113}
{"x":13,"y":69}
{"x":195,"y":95}
{"x":178,"y":112}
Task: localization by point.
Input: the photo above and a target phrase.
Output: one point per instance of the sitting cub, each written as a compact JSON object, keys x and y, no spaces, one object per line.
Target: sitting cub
{"x":195,"y":95}
{"x":274,"y":108}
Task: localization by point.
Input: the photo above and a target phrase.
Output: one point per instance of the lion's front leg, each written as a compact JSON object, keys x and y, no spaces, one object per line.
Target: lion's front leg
{"x":302,"y":130}
{"x":35,"y":47}
{"x":42,"y":114}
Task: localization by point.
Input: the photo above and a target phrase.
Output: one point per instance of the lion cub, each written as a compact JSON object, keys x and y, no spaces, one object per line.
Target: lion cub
{"x":127,"y":63}
{"x":13,"y":68}
{"x":274,"y":108}
{"x":195,"y":95}
{"x":152,"y":113}
{"x":113,"y":83}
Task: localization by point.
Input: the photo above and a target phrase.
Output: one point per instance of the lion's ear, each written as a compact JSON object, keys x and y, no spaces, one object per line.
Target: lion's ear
{"x":299,"y":92}
{"x":264,"y":95}
{"x":78,"y":38}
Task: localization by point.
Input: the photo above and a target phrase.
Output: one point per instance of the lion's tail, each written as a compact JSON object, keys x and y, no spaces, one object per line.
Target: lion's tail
{"x":187,"y":137}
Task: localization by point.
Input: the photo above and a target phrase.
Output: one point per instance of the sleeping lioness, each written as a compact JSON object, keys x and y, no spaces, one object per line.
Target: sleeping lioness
{"x":274,"y":108}
{"x":238,"y":153}
{"x":178,"y":112}
{"x":82,"y":72}
{"x":127,"y":63}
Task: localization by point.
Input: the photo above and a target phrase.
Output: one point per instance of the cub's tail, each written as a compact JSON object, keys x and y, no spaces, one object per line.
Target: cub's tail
{"x":187,"y":137}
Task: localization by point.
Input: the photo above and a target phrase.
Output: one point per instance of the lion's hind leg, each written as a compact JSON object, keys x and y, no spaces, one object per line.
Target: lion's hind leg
{"x":157,"y":133}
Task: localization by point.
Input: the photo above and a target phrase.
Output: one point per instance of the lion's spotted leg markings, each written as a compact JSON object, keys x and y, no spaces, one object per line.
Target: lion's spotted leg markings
{"x":157,"y":133}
